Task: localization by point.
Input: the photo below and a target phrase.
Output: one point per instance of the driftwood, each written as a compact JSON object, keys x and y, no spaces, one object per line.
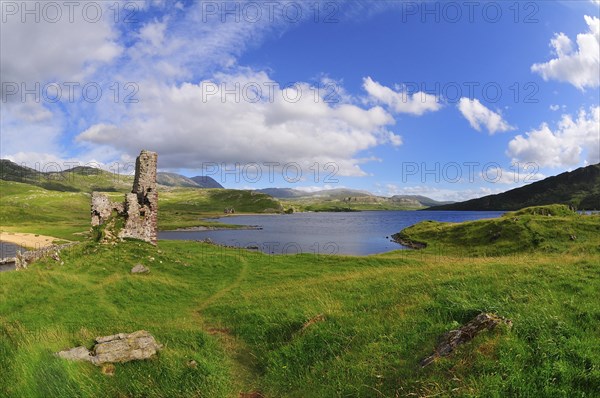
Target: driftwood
{"x":449,"y":341}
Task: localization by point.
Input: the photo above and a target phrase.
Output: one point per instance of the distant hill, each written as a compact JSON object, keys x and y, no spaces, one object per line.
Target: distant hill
{"x":345,"y":199}
{"x":177,"y":180}
{"x":206,"y":182}
{"x":351,"y":195}
{"x":287,"y":193}
{"x":282,"y":193}
{"x":579,"y":188}
{"x":88,"y":179}
{"x":76,"y":179}
{"x":422,"y":200}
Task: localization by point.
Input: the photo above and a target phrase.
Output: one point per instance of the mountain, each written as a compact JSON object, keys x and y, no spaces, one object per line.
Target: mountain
{"x":206,"y":182}
{"x":88,"y":179}
{"x":290,"y":193}
{"x":351,"y":195}
{"x":10,"y":171}
{"x":76,"y":179}
{"x":175,"y":180}
{"x":345,"y":199}
{"x":578,"y":188}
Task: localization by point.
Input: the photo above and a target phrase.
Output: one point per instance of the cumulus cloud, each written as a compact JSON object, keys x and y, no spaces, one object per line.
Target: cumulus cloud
{"x":580,"y":67}
{"x":440,"y":194}
{"x":479,"y":116}
{"x":573,"y":140}
{"x":63,"y":50}
{"x":517,"y":176}
{"x":400,"y":101}
{"x":190,"y":124}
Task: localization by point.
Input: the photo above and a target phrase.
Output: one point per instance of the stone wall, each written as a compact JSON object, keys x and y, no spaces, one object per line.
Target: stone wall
{"x":140,"y":208}
{"x":25,"y":258}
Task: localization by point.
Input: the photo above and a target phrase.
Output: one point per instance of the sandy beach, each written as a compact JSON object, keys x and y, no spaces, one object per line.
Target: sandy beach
{"x":30,"y":241}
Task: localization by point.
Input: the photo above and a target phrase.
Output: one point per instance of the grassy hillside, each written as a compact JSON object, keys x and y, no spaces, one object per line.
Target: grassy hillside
{"x":28,"y":208}
{"x":346,"y":200}
{"x":187,"y":207}
{"x":78,"y":179}
{"x":579,"y":188}
{"x":314,"y":326}
{"x":541,"y":229}
{"x":177,"y":180}
{"x":349,"y":203}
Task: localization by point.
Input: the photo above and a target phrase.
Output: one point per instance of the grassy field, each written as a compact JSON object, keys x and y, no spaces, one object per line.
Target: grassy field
{"x":66,"y":215}
{"x":245,"y":317}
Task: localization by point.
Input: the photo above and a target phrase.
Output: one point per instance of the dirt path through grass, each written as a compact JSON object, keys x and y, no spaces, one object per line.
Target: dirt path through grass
{"x":245,"y":375}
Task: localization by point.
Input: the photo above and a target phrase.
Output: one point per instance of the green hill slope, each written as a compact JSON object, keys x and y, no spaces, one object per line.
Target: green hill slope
{"x":544,"y":229}
{"x":30,"y":208}
{"x":579,"y":188}
{"x":177,"y":180}
{"x":77,"y":179}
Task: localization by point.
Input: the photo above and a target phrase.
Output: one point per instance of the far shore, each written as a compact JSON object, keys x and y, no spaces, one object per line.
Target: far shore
{"x":203,"y":228}
{"x":29,"y":241}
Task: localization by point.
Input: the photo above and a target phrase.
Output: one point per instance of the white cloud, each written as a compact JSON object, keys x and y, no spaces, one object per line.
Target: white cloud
{"x":554,"y":108}
{"x":400,"y":101}
{"x":496,"y":175}
{"x":439,"y":194}
{"x":316,"y":188}
{"x":579,"y":67}
{"x":188,"y":127}
{"x":566,"y":146}
{"x":478,"y":115}
{"x":54,"y":51}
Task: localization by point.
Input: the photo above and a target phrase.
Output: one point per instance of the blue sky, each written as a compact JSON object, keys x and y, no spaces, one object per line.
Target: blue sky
{"x":391,"y":97}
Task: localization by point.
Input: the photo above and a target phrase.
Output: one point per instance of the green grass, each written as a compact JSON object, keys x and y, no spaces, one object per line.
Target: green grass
{"x":541,"y":229}
{"x":188,"y":207}
{"x":78,"y":179}
{"x":66,"y":215}
{"x":339,"y":204}
{"x":27,"y":208}
{"x":240,"y":315}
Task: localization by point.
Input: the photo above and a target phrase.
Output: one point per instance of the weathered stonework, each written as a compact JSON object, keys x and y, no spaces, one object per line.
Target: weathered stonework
{"x":103,"y":208}
{"x":140,"y":207}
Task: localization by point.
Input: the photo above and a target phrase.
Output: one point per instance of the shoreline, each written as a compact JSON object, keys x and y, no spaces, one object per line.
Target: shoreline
{"x":28,"y":241}
{"x":411,"y":244}
{"x":204,"y":228}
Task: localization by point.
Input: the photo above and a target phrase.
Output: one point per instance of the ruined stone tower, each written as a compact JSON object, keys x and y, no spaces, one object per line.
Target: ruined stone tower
{"x":141,"y":205}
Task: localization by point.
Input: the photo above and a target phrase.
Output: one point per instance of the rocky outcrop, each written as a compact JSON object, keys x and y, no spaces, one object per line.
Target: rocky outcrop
{"x":452,"y":339}
{"x":116,"y":348}
{"x":404,"y":241}
{"x":140,"y":208}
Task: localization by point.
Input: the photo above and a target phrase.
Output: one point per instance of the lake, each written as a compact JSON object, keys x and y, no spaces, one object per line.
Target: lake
{"x":355,"y":233}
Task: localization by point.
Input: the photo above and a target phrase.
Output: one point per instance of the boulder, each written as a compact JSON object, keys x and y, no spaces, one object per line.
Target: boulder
{"x":140,"y":269}
{"x":76,"y":354}
{"x":116,"y":348}
{"x":125,"y":347}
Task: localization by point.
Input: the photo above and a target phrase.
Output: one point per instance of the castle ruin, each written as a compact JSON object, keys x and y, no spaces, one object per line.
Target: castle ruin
{"x":140,"y":207}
